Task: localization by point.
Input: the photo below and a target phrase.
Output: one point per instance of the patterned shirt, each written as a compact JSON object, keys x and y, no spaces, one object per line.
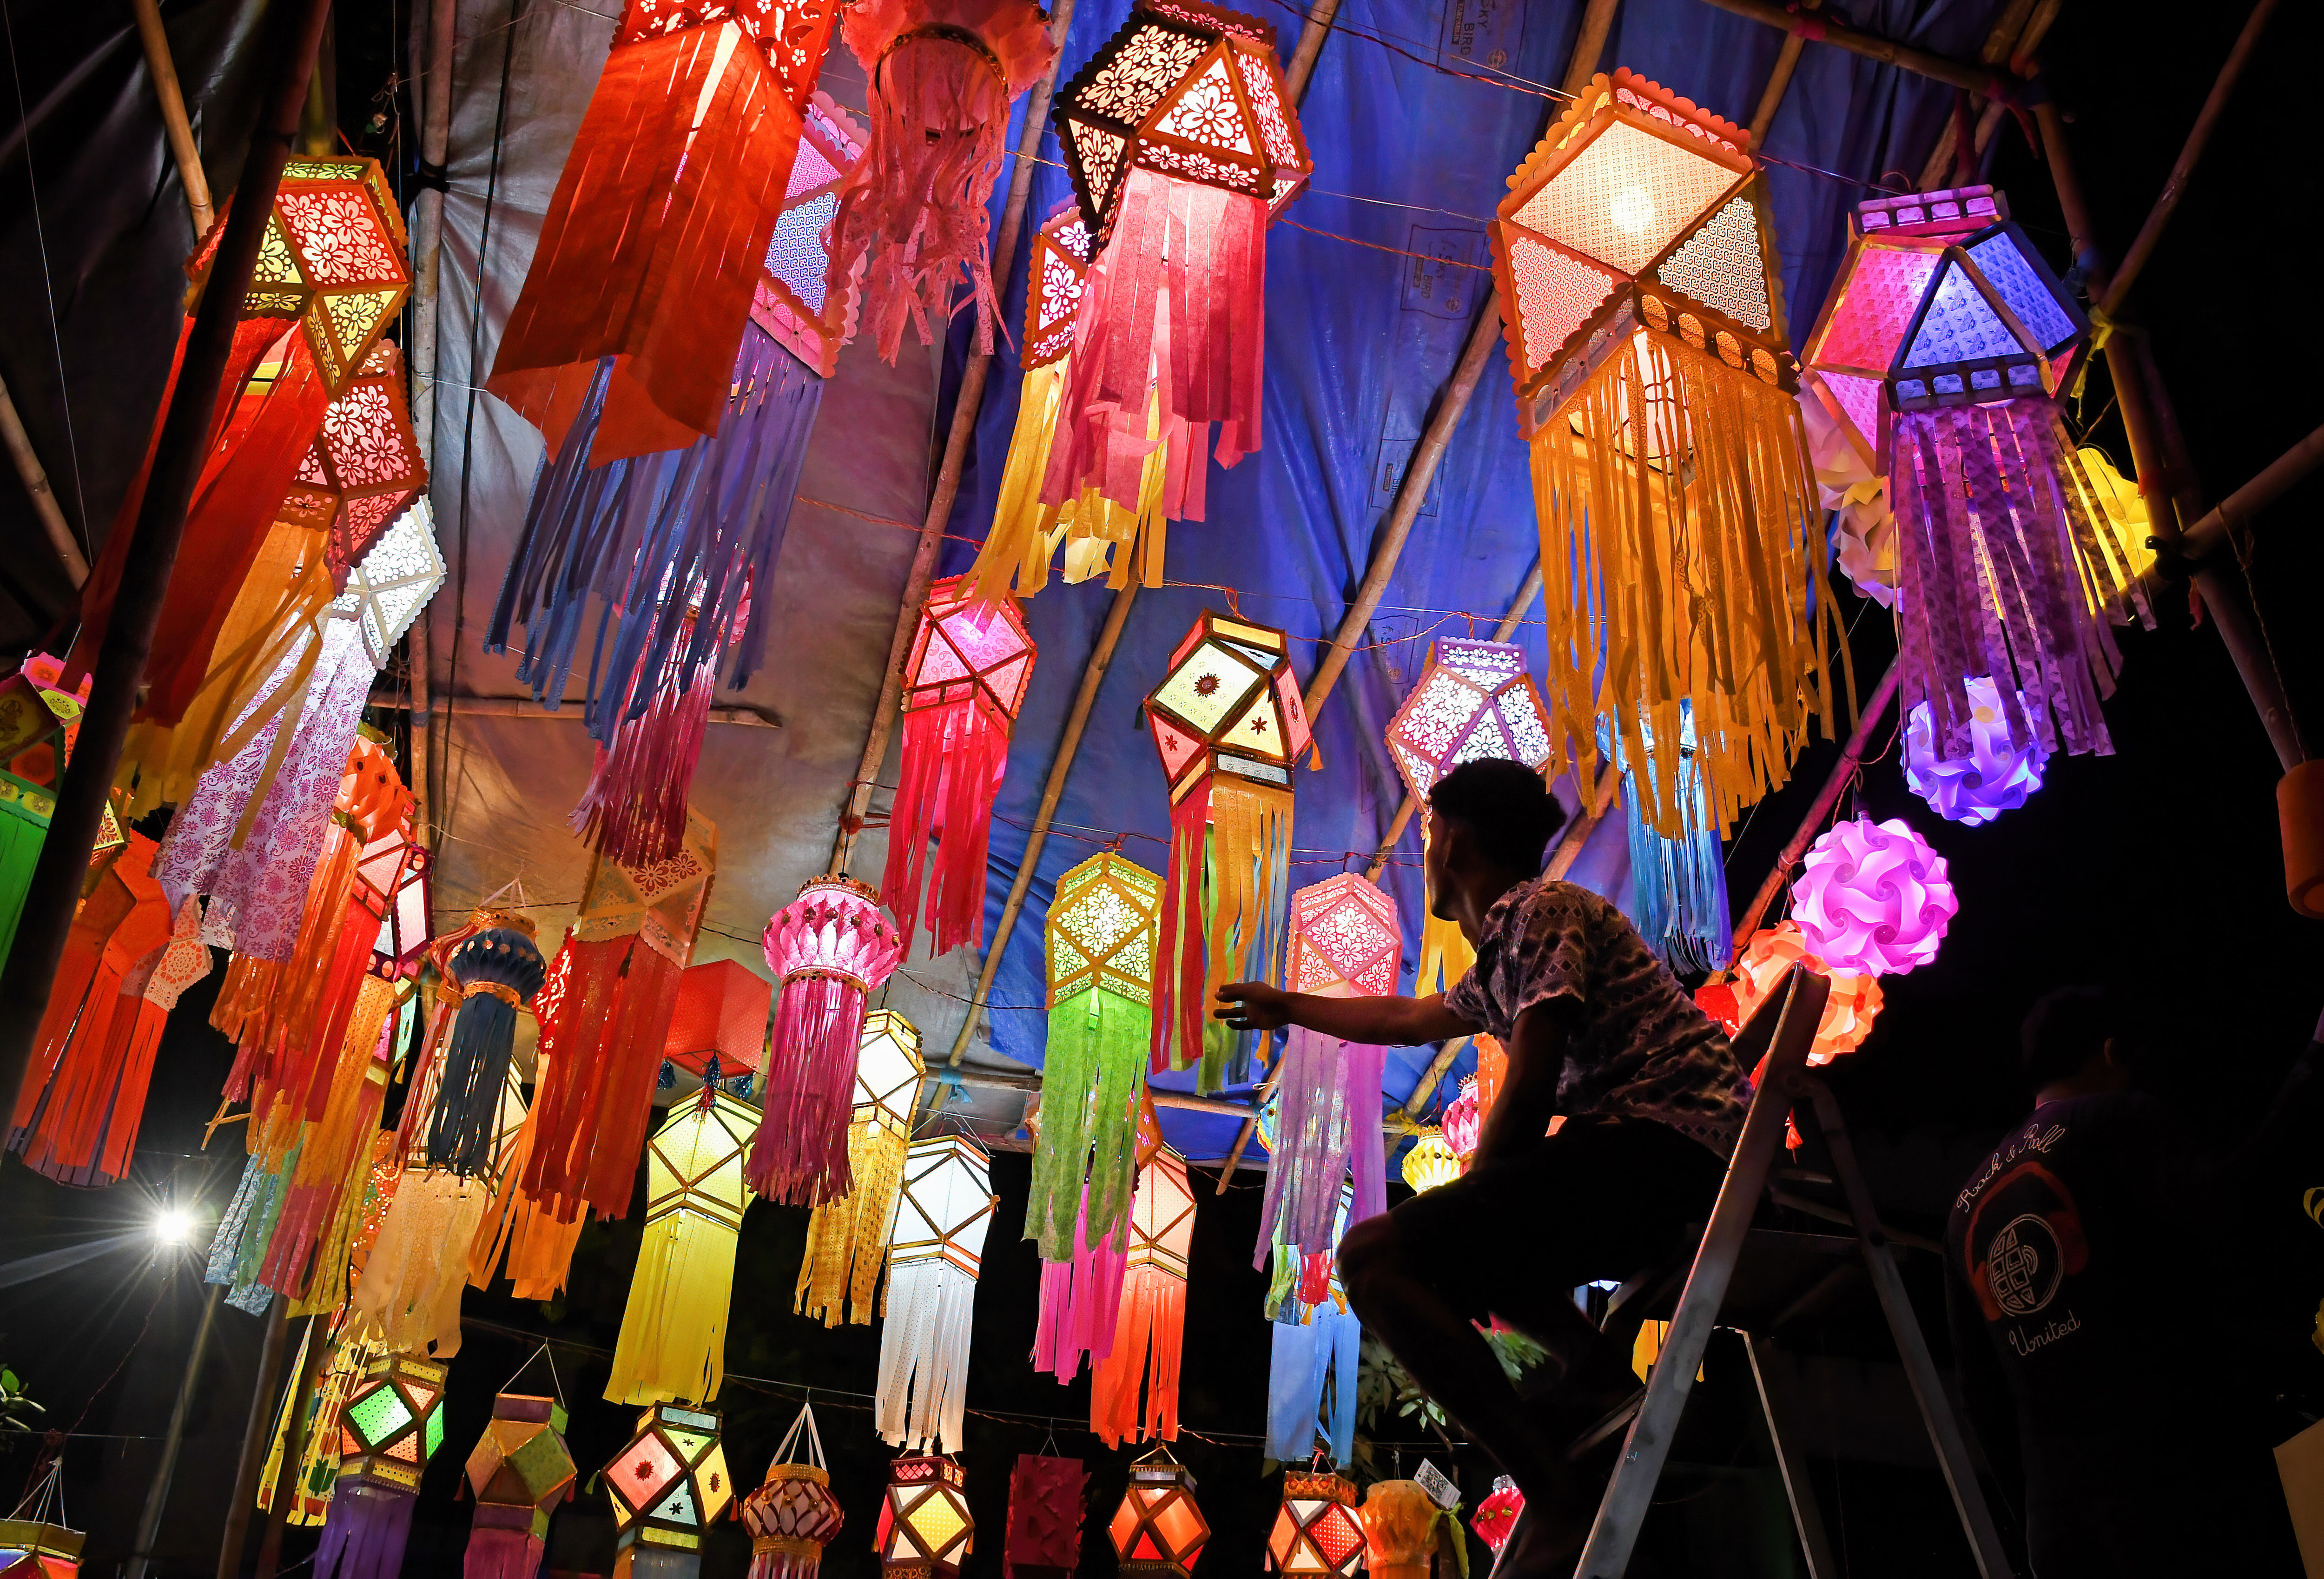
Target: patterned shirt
{"x":1639,"y":1047}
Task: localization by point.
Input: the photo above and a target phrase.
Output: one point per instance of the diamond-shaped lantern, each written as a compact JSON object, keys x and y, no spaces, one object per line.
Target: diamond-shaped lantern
{"x":792,"y":1515}
{"x":520,"y":1469}
{"x":391,"y":883}
{"x":1158,"y":1530}
{"x":1228,"y":704}
{"x":967,"y":652}
{"x":925,"y":1526}
{"x":1475,"y":701}
{"x":1345,"y":936}
{"x":1188,"y":89}
{"x":721,"y":1013}
{"x":1062,"y":249}
{"x":392,"y":1422}
{"x":670,"y":1482}
{"x":1638,"y":208}
{"x":796,"y":304}
{"x":1102,"y":929}
{"x":364,"y":468}
{"x":1316,"y":1532}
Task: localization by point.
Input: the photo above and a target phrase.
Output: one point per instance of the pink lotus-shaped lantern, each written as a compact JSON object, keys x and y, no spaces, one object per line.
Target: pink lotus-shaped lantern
{"x":1463,"y":1124}
{"x":1873,"y":898}
{"x":1990,"y":776}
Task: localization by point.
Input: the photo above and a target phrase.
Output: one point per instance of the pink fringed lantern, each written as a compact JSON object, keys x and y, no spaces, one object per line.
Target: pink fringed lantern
{"x":944,"y":73}
{"x":1873,"y":898}
{"x":964,"y":682}
{"x":1081,"y":1297}
{"x":830,"y":948}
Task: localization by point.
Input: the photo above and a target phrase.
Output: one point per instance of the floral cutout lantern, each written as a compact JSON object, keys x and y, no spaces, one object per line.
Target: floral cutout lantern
{"x":1228,"y":722}
{"x":1158,"y":1531}
{"x":925,"y":1525}
{"x":963,"y":680}
{"x":1994,"y":776}
{"x":1873,"y":897}
{"x":1315,"y":1532}
{"x":847,"y":1239}
{"x":666,"y":1487}
{"x":517,"y":1473}
{"x":934,"y":1252}
{"x":792,"y":1515}
{"x":673,"y":1336}
{"x":390,"y":1427}
{"x":809,"y":315}
{"x":365,"y":469}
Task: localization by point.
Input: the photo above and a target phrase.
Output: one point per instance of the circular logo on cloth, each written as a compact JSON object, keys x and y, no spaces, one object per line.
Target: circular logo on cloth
{"x":2022,"y":1265}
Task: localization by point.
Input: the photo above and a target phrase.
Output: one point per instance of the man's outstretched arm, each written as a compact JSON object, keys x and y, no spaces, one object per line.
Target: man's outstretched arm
{"x":1520,"y":1115}
{"x":1388,"y":1023}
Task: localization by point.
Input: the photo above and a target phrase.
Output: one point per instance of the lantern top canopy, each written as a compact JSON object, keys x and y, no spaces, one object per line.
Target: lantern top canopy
{"x":1228,"y":704}
{"x":722,"y":1013}
{"x":965,"y":650}
{"x":836,"y":927}
{"x":1062,"y":249}
{"x":670,"y":1482}
{"x":1942,"y":301}
{"x":1475,"y":701}
{"x":1189,"y":90}
{"x":1344,"y":940}
{"x":1102,"y":929}
{"x":1638,"y":208}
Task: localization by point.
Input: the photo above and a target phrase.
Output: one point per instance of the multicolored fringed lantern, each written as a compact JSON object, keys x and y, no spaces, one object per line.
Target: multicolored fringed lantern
{"x":1943,"y":351}
{"x":391,"y":1427}
{"x":797,"y":301}
{"x":1497,"y":1515}
{"x":1855,"y":1001}
{"x":668,"y":1486}
{"x":831,"y":947}
{"x":1184,"y":143}
{"x":963,"y":681}
{"x":1431,"y":1161}
{"x":1682,"y":539}
{"x":942,"y":75}
{"x":1101,"y":956}
{"x":673,"y":1340}
{"x":1311,"y":1388}
{"x":792,"y":1515}
{"x":1149,"y":1332}
{"x":1316,"y":1532}
{"x":925,"y":1525}
{"x":1045,"y":1518}
{"x":1405,"y":1528}
{"x":1345,"y":942}
{"x":1994,"y":776}
{"x":619,"y":973}
{"x":1080,"y":1298}
{"x":934,"y":1255}
{"x":1474,"y":701}
{"x":634,"y":304}
{"x":491,"y":975}
{"x":1158,"y":1531}
{"x":38,"y":722}
{"x":1873,"y":898}
{"x":847,"y":1238}
{"x":1678,"y":882}
{"x":518,"y":1474}
{"x":1228,"y":722}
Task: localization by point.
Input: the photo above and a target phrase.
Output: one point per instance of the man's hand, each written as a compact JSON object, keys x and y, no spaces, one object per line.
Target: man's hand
{"x":1388,"y":1022}
{"x":1253,"y":1006}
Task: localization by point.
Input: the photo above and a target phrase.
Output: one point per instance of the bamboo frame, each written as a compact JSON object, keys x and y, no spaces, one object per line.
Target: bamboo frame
{"x":36,"y":483}
{"x":155,"y":38}
{"x":2017,"y":33}
{"x":1978,"y":79}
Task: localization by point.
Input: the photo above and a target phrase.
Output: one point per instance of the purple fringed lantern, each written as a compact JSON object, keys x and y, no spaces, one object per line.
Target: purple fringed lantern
{"x":1045,"y":1518}
{"x":1873,"y":898}
{"x":517,"y":1473}
{"x":1992,"y":777}
{"x":390,"y":1426}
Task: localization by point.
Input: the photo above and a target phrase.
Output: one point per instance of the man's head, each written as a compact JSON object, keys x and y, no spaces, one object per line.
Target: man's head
{"x":1489,"y":823}
{"x":2074,"y":1042}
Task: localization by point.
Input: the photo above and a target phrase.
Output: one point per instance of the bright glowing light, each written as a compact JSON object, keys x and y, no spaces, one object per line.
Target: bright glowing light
{"x":171,"y":1227}
{"x":1633,"y":211}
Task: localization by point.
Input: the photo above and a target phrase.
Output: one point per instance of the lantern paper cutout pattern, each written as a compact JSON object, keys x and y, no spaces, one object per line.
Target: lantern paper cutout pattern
{"x":1184,"y":141}
{"x":1310,"y":1388}
{"x":847,"y":1239}
{"x":942,"y":1215}
{"x":1993,"y":777}
{"x":1847,"y":1013}
{"x":1678,"y":883}
{"x":517,"y":1473}
{"x":797,"y":302}
{"x":1645,"y":323}
{"x":831,"y":947}
{"x":1345,"y":942}
{"x":666,"y":1487}
{"x":792,"y":1515}
{"x":912,"y":213}
{"x":673,"y":1339}
{"x":1158,"y":1531}
{"x":1942,"y":352}
{"x":393,"y":871}
{"x":965,"y":677}
{"x":1496,"y":1516}
{"x":1431,"y":1161}
{"x":632,"y":307}
{"x":1045,"y":1518}
{"x":365,"y":469}
{"x":1474,"y":701}
{"x":1316,"y":1532}
{"x":391,"y":1427}
{"x":1101,"y":964}
{"x":1872,"y":897}
{"x":1404,"y":1527}
{"x":492,"y":974}
{"x":925,"y":1526}
{"x":1228,"y":722}
{"x":1149,"y":1331}
{"x":38,"y":722}
{"x":721,"y":1015}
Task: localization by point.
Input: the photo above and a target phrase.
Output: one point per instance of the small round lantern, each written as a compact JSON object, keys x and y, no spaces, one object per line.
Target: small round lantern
{"x":1873,"y":897}
{"x":1994,"y":775}
{"x":1431,"y":1161}
{"x":1464,"y":1125}
{"x":1157,"y":1530}
{"x":792,"y":1516}
{"x":925,"y":1526}
{"x":1497,"y":1515}
{"x":1316,"y":1532}
{"x":1847,"y":1013}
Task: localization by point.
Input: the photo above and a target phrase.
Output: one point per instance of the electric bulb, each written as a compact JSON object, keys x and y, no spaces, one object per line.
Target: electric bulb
{"x":1633,"y":211}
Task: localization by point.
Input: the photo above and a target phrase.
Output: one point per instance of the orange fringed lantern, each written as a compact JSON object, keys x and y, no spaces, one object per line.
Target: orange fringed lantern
{"x":944,"y":73}
{"x":925,"y":1526}
{"x":810,"y":315}
{"x":1149,"y":1332}
{"x":1158,"y":1531}
{"x":1316,"y":1532}
{"x":1848,"y":1014}
{"x":680,"y":172}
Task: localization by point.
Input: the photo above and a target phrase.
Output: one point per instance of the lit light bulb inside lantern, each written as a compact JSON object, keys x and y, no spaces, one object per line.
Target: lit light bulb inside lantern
{"x":171,"y":1227}
{"x":1632,"y":211}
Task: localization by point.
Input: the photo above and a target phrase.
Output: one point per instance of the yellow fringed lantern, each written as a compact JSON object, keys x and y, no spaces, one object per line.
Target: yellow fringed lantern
{"x":1316,"y":1532}
{"x":925,"y":1525}
{"x":673,"y":1342}
{"x":847,"y":1239}
{"x":1681,"y":540}
{"x":1158,"y":1531}
{"x":666,"y":1487}
{"x":1228,"y":722}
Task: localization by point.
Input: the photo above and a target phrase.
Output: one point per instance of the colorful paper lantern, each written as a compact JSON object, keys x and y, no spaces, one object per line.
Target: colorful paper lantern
{"x":1159,"y":1531}
{"x":963,"y":680}
{"x":38,"y":722}
{"x":668,"y":1486}
{"x":721,"y":1013}
{"x":391,"y":882}
{"x":1854,"y":1003}
{"x":792,"y":1515}
{"x":1463,"y":1124}
{"x":1873,"y":898}
{"x":830,"y":948}
{"x":1497,"y":1515}
{"x":492,"y":975}
{"x":925,"y":1526}
{"x":1644,"y":317}
{"x":673,"y":1340}
{"x":934,"y":1254}
{"x":518,"y":1471}
{"x":1100,"y":936}
{"x":1228,"y":722}
{"x":1315,"y":1344}
{"x":943,"y":76}
{"x":1942,"y":352}
{"x":810,"y":315}
{"x":35,"y":1548}
{"x":847,"y":1239}
{"x":1316,"y":1530}
{"x":1995,"y":776}
{"x":1405,"y":1528}
{"x":1045,"y":1518}
{"x":1678,"y":880}
{"x":391,"y":1427}
{"x":1431,"y":1161}
{"x":1149,"y":1331}
{"x":364,"y":468}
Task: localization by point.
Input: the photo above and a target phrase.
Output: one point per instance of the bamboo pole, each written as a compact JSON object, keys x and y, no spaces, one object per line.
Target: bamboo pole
{"x":164,"y":72}
{"x":260,"y":1426}
{"x":1850,"y":755}
{"x":2016,"y":35}
{"x":1779,"y":82}
{"x":44,"y":497}
{"x":2231,"y":517}
{"x":427,"y":299}
{"x":160,"y":523}
{"x":1312,"y":34}
{"x":157,"y":1495}
{"x":1978,"y":79}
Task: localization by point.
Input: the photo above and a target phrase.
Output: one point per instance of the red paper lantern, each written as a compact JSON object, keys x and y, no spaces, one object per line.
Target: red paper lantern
{"x":1158,"y":1531}
{"x":1315,"y":1532}
{"x":1045,"y":1518}
{"x":721,"y":1013}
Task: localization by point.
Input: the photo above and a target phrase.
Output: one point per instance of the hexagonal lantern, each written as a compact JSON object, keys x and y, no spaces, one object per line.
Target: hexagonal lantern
{"x":669,"y":1482}
{"x":1344,"y":940}
{"x":1158,"y":1531}
{"x":364,"y":468}
{"x":1315,"y":1532}
{"x":925,"y":1526}
{"x":518,"y":1471}
{"x":1475,"y":700}
{"x":392,"y":1422}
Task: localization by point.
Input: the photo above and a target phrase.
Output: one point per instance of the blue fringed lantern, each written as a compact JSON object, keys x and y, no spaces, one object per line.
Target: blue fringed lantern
{"x":496,"y":968}
{"x":1678,"y":886}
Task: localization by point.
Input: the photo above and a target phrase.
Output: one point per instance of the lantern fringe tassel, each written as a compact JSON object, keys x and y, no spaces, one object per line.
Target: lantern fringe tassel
{"x":1328,"y":1124}
{"x":847,"y":1238}
{"x":471,"y":1083}
{"x":498,"y":1553}
{"x":366,"y":1532}
{"x":1678,"y":885}
{"x":1224,"y":913}
{"x":302,"y":1255}
{"x":800,"y":1156}
{"x":540,"y":1248}
{"x":1099,"y":536}
{"x":592,"y":1111}
{"x":1081,"y":1301}
{"x":673,"y":1337}
{"x":1149,"y":1340}
{"x":408,"y":1298}
{"x":1702,"y":582}
{"x":955,"y":754}
{"x":923,"y":1386}
{"x":1090,"y":1084}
